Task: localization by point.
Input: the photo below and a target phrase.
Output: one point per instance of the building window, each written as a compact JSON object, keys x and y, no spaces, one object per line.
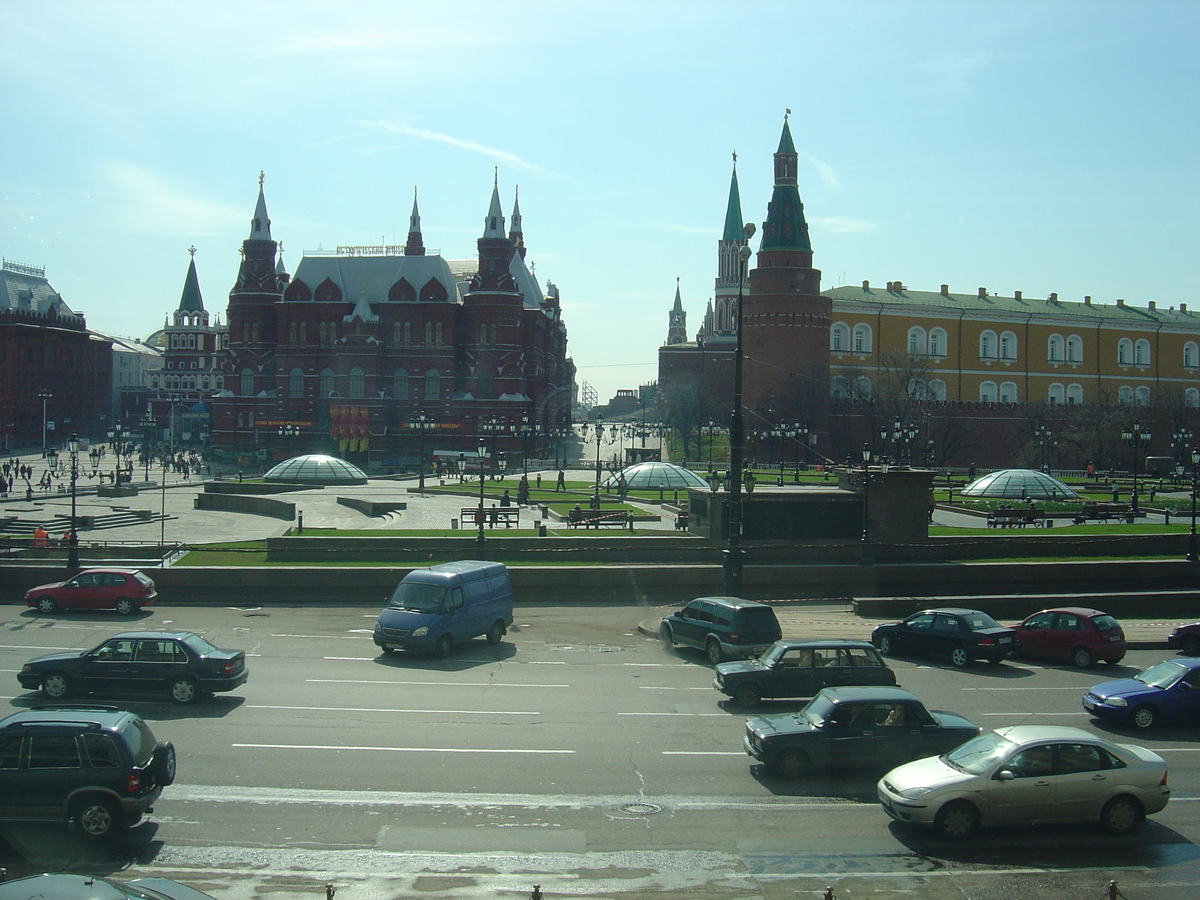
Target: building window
{"x":356,"y":388}
{"x":938,"y":342}
{"x":1191,"y":397}
{"x":1190,"y":354}
{"x":862,"y":388}
{"x":407,"y":333}
{"x":1141,"y":353}
{"x":1074,"y":349}
{"x":396,"y":334}
{"x":482,"y":335}
{"x":1058,"y":394}
{"x":1074,"y":394}
{"x":322,"y":335}
{"x":1142,"y":396}
{"x":1125,"y":395}
{"x":937,"y":390}
{"x":296,"y":383}
{"x":1008,"y":346}
{"x":400,"y":384}
{"x":1124,"y":352}
{"x":988,"y":392}
{"x":437,"y":334}
{"x":862,"y":338}
{"x":839,"y":338}
{"x":839,"y":388}
{"x":918,"y":390}
{"x":916,"y":341}
{"x":1054,"y":348}
{"x":487,"y":386}
{"x":204,"y":384}
{"x":303,"y":334}
{"x":326,"y":382}
{"x":987,"y":346}
{"x":433,"y":385}
{"x":247,"y":386}
{"x":428,"y":334}
{"x":1008,"y":392}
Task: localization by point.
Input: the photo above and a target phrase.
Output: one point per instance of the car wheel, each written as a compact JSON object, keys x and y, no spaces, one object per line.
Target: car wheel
{"x":956,"y":821}
{"x":885,"y":645}
{"x":97,"y":817}
{"x":712,"y":649}
{"x":960,"y":658}
{"x":496,"y":633}
{"x":1143,"y":717}
{"x":1082,"y":657}
{"x":56,"y":686}
{"x":668,"y":639}
{"x":791,"y":764}
{"x":443,"y":646}
{"x":747,"y":695}
{"x":124,"y":606}
{"x":1191,"y":643}
{"x":1114,"y":662}
{"x":183,"y":691}
{"x":1121,"y":815}
{"x":163,"y":763}
{"x":46,"y":605}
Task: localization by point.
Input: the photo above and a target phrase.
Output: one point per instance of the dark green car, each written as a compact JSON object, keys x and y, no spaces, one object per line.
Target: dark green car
{"x":866,"y":728}
{"x":800,"y":669}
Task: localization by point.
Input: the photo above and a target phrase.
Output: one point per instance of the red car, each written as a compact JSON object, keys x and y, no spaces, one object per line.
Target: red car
{"x":121,"y":589}
{"x":1186,"y":638}
{"x":1072,"y":633}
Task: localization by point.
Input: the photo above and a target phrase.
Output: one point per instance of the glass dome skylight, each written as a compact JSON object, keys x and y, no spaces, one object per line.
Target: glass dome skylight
{"x":316,"y":468}
{"x":1019,"y":484}
{"x":653,"y":475}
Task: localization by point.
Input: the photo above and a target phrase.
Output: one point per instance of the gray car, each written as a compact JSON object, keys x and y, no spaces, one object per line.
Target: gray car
{"x":723,"y":627}
{"x":800,"y":669}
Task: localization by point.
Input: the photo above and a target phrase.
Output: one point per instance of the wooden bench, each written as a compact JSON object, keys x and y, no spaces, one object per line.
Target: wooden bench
{"x":590,"y":518}
{"x":681,"y":522}
{"x":492,"y":516}
{"x":1015,"y":518}
{"x":1102,"y":512}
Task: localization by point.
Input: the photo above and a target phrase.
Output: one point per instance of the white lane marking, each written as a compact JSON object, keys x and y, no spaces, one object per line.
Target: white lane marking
{"x":432,"y":683}
{"x":723,"y":715}
{"x":545,"y":662}
{"x":1034,"y":714}
{"x":342,"y":637}
{"x":702,"y":753}
{"x":392,"y":749}
{"x":1175,"y":749}
{"x":32,"y":647}
{"x":651,"y":687}
{"x":465,"y":712}
{"x":353,"y":658}
{"x":1032,"y":688}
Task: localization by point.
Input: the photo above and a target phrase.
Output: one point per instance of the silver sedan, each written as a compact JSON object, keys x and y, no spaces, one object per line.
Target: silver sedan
{"x":1028,"y":774}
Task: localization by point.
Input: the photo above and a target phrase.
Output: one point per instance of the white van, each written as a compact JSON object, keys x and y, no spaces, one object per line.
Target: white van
{"x":435,"y":608}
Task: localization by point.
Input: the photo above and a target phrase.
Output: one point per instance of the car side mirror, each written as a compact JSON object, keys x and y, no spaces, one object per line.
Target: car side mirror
{"x":1005,"y":775}
{"x":1183,"y":686}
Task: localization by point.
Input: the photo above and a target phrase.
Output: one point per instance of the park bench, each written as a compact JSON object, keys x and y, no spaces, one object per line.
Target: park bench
{"x":681,"y":522}
{"x":589,"y":518}
{"x":1102,"y":512}
{"x":1015,"y":518}
{"x":492,"y":516}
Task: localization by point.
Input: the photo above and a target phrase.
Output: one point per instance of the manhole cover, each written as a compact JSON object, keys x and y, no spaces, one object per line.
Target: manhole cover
{"x":639,"y":809}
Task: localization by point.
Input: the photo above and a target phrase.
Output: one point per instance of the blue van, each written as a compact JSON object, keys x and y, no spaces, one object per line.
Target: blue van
{"x":438,"y":607}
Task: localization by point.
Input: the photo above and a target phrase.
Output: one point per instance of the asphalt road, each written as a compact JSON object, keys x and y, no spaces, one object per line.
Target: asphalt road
{"x":578,"y":754}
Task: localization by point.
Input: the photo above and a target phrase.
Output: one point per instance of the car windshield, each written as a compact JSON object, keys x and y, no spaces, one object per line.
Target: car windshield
{"x":772,"y":653}
{"x":977,"y":620}
{"x":198,"y":645}
{"x":818,"y":709}
{"x":140,"y":739}
{"x":977,"y":755}
{"x":1163,"y":675}
{"x":426,"y":598}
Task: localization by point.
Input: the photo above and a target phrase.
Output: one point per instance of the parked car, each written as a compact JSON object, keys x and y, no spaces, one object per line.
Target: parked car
{"x":95,"y":767}
{"x":1168,"y":692}
{"x":179,"y":663}
{"x":869,"y":728}
{"x":800,"y":669}
{"x":91,"y":887}
{"x":723,"y":627}
{"x":1186,"y":638}
{"x":124,"y":590}
{"x":1072,"y":633}
{"x":1028,"y":774}
{"x":963,"y":635}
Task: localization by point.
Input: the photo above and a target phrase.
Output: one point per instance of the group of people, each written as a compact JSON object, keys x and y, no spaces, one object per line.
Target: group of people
{"x":42,"y":539}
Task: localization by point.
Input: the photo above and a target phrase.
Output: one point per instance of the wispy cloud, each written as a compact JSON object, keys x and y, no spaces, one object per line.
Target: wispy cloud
{"x":425,"y":134}
{"x":844,"y":224}
{"x":145,"y":201}
{"x":829,"y":175}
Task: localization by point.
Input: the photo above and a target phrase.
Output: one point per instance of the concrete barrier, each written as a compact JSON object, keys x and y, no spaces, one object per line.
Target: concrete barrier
{"x":258,"y":506}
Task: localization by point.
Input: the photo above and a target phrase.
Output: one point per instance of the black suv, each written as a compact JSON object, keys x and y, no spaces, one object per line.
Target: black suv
{"x":723,"y":627}
{"x":97,"y":768}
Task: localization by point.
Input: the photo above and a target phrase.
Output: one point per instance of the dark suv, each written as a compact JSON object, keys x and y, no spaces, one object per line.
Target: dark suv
{"x":723,"y":627}
{"x":98,"y":768}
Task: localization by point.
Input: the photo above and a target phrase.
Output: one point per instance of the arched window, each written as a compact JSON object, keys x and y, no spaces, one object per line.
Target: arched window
{"x":1191,"y":353}
{"x":326,"y":383}
{"x":862,"y":338}
{"x":204,"y":385}
{"x":839,"y":388}
{"x":428,"y":333}
{"x":918,"y":390}
{"x":1074,"y":349}
{"x":1054,"y":348}
{"x":293,"y":333}
{"x":1008,"y":347}
{"x":1142,"y":396}
{"x":483,"y":334}
{"x":400,"y":384}
{"x":296,"y":383}
{"x":1125,"y":395}
{"x":987,"y":392}
{"x":938,"y":342}
{"x":487,"y":386}
{"x":357,"y":386}
{"x":1191,"y":397}
{"x":987,"y":346}
{"x":916,"y":341}
{"x":247,"y":386}
{"x":191,"y":342}
{"x":1074,"y":394}
{"x":1008,"y":392}
{"x":437,"y":334}
{"x":1058,"y":394}
{"x":322,"y":335}
{"x":862,"y":388}
{"x":433,"y":385}
{"x":839,"y":337}
{"x":937,"y":390}
{"x":1141,"y":353}
{"x":396,"y":334}
{"x":1124,"y":352}
{"x":407,"y":333}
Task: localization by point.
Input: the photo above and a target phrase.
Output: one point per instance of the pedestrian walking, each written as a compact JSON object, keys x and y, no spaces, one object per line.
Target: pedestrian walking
{"x":562,"y":481}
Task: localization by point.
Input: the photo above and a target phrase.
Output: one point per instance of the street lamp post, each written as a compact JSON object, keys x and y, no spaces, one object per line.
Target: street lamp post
{"x":1135,"y":435}
{"x":732,"y":563}
{"x":866,"y":539}
{"x":1192,"y":534}
{"x":611,"y":436}
{"x":45,"y":395}
{"x":73,"y":537}
{"x":481,"y":450}
{"x":288,"y":433}
{"x":1043,"y":434}
{"x":423,"y":425}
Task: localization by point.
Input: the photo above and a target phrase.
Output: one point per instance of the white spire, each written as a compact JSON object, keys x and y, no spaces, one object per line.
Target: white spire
{"x":260,"y":225}
{"x":414,"y":221}
{"x":493,"y":225}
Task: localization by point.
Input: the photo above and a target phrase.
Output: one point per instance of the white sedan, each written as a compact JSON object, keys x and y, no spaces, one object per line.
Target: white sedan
{"x":1028,"y":774}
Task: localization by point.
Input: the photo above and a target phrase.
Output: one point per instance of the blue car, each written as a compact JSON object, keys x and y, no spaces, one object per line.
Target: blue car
{"x":1168,"y":692}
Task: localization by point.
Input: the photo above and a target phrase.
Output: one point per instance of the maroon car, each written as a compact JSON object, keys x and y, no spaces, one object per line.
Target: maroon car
{"x":1072,"y":634}
{"x":110,"y":588}
{"x":1186,"y":638}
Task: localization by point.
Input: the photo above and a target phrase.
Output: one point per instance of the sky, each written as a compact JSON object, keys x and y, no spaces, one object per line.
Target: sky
{"x":1034,"y":146}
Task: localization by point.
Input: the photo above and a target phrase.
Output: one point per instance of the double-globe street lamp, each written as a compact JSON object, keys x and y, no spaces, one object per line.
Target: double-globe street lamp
{"x":732,"y":562}
{"x":481,"y":450}
{"x":423,"y":425}
{"x":1135,"y":435}
{"x":601,"y":436}
{"x":1192,"y":555}
{"x":73,"y":536}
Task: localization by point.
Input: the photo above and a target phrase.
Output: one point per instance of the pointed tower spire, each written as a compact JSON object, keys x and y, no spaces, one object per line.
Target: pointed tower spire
{"x":733,"y":211}
{"x":493,"y":225}
{"x":514,"y":233}
{"x":190,"y":300}
{"x":415,"y":246}
{"x":785,"y":228}
{"x":260,"y":225}
{"x":677,"y":320}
